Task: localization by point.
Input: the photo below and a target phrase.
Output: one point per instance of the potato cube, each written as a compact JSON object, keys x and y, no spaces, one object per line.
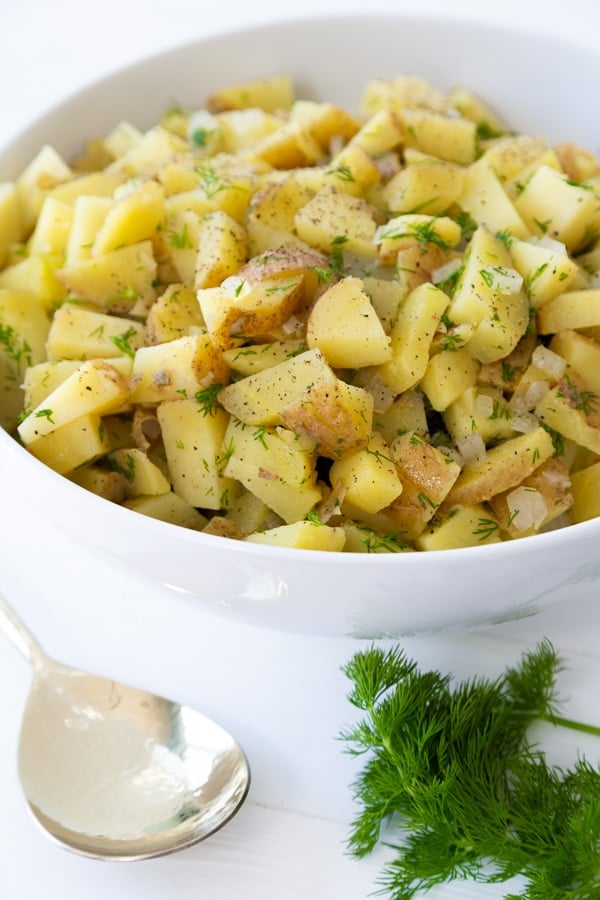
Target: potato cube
{"x":116,"y":280}
{"x":479,"y":410}
{"x":10,"y":216}
{"x":484,"y":198}
{"x":80,"y":333}
{"x":222,"y":249}
{"x":52,"y":228}
{"x":585,"y":485}
{"x":193,"y":442}
{"x":252,"y":358}
{"x":137,"y":215}
{"x":333,"y":214}
{"x":269,"y":94}
{"x":414,"y":230}
{"x":89,"y":212}
{"x":260,"y":398}
{"x":546,"y":272}
{"x":74,"y":444}
{"x":173,"y":315}
{"x":411,"y":336}
{"x":95,"y":387}
{"x":289,"y":147}
{"x":571,"y":410}
{"x":447,"y":376}
{"x":36,"y":274}
{"x":466,"y":526}
{"x":24,"y":328}
{"x":427,"y":187}
{"x":344,"y":325}
{"x":582,"y":355}
{"x":324,"y":121}
{"x":336,"y":416}
{"x":274,"y":467}
{"x":406,"y":413}
{"x":142,"y":476}
{"x":427,"y":475}
{"x":552,"y":204}
{"x":503,"y":466}
{"x":46,"y":170}
{"x":369,"y":476}
{"x":302,"y":536}
{"x":449,"y":137}
{"x":168,"y":508}
{"x":571,"y":310}
{"x":179,"y":368}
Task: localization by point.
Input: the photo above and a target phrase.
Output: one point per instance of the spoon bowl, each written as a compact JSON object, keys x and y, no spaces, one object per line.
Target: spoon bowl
{"x":114,"y":772}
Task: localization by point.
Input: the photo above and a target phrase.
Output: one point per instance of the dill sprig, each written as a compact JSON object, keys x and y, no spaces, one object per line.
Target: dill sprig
{"x":449,"y":770}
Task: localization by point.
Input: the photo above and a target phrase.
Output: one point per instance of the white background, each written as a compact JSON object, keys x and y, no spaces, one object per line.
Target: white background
{"x":283,"y":696}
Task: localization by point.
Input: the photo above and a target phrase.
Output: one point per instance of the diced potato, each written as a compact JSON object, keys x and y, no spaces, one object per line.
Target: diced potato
{"x":193,"y":442}
{"x":173,"y":315}
{"x":10,"y":216}
{"x":100,"y":481}
{"x":268,"y":94}
{"x":52,"y":227}
{"x":46,"y":170}
{"x":289,"y":147}
{"x":552,"y":204}
{"x":170,"y":508}
{"x":503,"y":467}
{"x":352,"y":170}
{"x":222,"y":249}
{"x":479,"y":411}
{"x":546,"y":272}
{"x":142,"y":476}
{"x":380,"y":133}
{"x":488,"y":296}
{"x":136,"y":216}
{"x":80,"y":441}
{"x":369,"y":476}
{"x":249,"y":513}
{"x":80,"y":333}
{"x":179,"y":368}
{"x":465,"y":526}
{"x":411,"y":335}
{"x":89,"y":212}
{"x":361,"y":538}
{"x":448,"y":375}
{"x":405,"y":413}
{"x":582,"y":355}
{"x":24,"y":327}
{"x":397,"y":94}
{"x":144,"y":157}
{"x":449,"y":137}
{"x":36,"y":274}
{"x":271,"y":217}
{"x":274,"y":468}
{"x":426,"y":475}
{"x":324,"y":121}
{"x":344,"y":325}
{"x":484,"y":198}
{"x":93,"y":184}
{"x":416,"y":230}
{"x":336,"y":416}
{"x":585,"y":485}
{"x":428,"y":187}
{"x":116,"y":280}
{"x":571,"y":310}
{"x":254,"y":358}
{"x":260,"y":398}
{"x":333,"y":214}
{"x":94,"y":388}
{"x":41,"y":379}
{"x":232,"y":131}
{"x":571,"y":410}
{"x":302,"y":536}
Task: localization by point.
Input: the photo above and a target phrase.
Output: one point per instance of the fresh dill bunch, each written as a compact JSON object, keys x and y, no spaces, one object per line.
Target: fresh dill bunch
{"x":449,"y":766}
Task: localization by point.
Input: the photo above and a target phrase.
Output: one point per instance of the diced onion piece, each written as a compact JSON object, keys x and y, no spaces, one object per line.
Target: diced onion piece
{"x":383,"y":395}
{"x":549,"y":243}
{"x":471,"y":448}
{"x":527,"y":508}
{"x":524,"y":422}
{"x":549,"y":362}
{"x":522,"y":403}
{"x":291,"y":325}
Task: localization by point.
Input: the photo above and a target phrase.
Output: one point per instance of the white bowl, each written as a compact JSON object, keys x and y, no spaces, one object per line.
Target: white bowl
{"x":531,"y":81}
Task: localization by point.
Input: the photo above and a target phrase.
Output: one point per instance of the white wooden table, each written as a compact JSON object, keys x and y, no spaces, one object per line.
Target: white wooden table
{"x":283,"y":696}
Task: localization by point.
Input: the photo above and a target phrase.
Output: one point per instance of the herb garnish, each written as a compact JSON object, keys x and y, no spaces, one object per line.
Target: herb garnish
{"x":471,"y":797}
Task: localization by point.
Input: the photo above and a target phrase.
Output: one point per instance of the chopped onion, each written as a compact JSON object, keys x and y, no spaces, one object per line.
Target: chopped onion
{"x":471,"y":448}
{"x":521,"y":403}
{"x":383,"y":395}
{"x":524,"y":422}
{"x":291,"y":325}
{"x":549,"y":243}
{"x":549,"y":362}
{"x":527,"y":508}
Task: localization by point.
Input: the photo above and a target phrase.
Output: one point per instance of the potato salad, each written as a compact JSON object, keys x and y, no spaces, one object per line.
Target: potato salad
{"x":276,"y":320}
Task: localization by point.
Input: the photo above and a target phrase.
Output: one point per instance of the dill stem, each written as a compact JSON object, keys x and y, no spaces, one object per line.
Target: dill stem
{"x":571,"y":723}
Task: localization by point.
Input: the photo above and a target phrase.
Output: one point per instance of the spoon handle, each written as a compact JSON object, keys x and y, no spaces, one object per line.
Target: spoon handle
{"x":19,"y":634}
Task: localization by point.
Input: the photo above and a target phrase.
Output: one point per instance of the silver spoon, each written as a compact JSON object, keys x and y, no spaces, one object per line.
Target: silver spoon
{"x":113,"y":772}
